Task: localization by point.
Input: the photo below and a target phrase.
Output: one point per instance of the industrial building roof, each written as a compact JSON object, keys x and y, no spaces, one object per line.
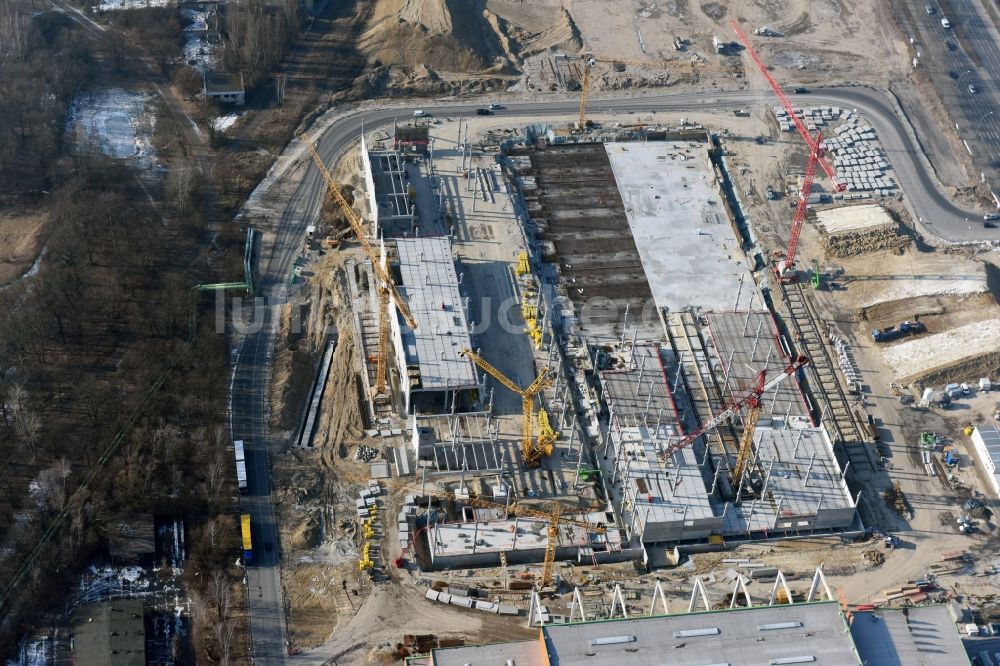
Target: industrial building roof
{"x":765,"y":636}
{"x":110,"y":633}
{"x":498,"y":534}
{"x":919,"y":636}
{"x":814,"y":633}
{"x":430,"y":285}
{"x":689,"y":251}
{"x":991,"y":438}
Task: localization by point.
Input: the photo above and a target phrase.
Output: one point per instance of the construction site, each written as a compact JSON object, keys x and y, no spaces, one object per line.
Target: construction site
{"x":584,"y":363}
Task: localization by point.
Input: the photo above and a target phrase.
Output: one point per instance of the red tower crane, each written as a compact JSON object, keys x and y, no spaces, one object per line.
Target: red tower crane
{"x":800,"y":212}
{"x":814,"y":144}
{"x":752,"y":401}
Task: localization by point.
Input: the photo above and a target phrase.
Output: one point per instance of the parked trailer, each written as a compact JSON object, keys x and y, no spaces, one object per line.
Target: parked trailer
{"x":241,"y":475}
{"x":247,"y":543}
{"x":241,"y":464}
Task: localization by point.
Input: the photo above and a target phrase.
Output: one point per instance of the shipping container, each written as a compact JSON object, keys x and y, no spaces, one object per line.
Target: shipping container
{"x":238,"y":446}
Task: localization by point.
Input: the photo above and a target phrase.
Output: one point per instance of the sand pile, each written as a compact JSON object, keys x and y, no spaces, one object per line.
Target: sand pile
{"x":563,"y":35}
{"x":848,"y":231}
{"x":428,"y":37}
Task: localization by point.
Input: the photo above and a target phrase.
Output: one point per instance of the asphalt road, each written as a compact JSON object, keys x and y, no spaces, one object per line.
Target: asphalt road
{"x":935,"y":210}
{"x":969,"y":52}
{"x":252,"y":372}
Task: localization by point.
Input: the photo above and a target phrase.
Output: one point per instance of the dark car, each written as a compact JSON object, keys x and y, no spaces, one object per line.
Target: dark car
{"x":483,"y":112}
{"x":800,"y":91}
{"x":989,"y":225}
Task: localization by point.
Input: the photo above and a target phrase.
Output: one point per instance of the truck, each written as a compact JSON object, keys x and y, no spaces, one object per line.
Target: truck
{"x":247,"y":541}
{"x":896,"y":332}
{"x":241,"y":464}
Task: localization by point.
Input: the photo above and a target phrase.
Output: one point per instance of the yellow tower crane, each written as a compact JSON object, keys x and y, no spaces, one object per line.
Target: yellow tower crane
{"x":386,"y":287}
{"x":549,"y":511}
{"x":532,"y":450}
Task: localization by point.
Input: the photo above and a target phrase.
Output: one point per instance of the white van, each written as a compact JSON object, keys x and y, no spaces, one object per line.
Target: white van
{"x":418,"y":113}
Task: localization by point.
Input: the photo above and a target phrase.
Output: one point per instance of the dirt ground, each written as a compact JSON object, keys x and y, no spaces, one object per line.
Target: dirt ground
{"x":21,"y":240}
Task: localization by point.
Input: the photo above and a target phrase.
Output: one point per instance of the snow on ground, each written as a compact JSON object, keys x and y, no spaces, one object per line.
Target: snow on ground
{"x":918,"y":356}
{"x":200,"y":52}
{"x":103,"y":581}
{"x":888,"y":277}
{"x":120,"y":122}
{"x":198,"y":19}
{"x":222,"y":123}
{"x":114,"y":5}
{"x":35,"y":653}
{"x":201,"y":48}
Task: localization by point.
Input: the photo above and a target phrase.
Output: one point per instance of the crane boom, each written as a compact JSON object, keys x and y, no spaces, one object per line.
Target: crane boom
{"x":492,"y":371}
{"x":761,"y":387}
{"x":357,"y":224}
{"x":814,"y":144}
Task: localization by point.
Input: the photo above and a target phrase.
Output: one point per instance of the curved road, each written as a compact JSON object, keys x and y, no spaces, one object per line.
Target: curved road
{"x":251,"y":376}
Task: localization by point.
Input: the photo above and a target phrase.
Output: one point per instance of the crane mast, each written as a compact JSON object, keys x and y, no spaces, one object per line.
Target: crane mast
{"x":798,"y":221}
{"x":532,"y":451}
{"x":751,"y":400}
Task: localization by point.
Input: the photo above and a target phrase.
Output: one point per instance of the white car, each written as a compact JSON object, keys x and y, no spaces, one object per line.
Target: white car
{"x":418,"y":113}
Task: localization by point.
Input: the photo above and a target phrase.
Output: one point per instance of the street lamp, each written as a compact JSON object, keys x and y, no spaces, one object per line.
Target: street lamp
{"x":980,"y":121}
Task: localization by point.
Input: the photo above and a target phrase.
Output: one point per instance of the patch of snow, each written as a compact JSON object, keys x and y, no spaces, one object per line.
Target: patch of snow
{"x":222,"y":123}
{"x":198,"y":19}
{"x":116,"y":5}
{"x":35,"y":653}
{"x":200,"y":51}
{"x":120,"y":122}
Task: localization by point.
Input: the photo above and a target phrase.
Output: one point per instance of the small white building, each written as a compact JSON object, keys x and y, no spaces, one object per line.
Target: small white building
{"x":986,"y":439}
{"x":225,"y":88}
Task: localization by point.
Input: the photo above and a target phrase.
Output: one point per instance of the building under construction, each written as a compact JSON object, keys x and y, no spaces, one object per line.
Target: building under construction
{"x":434,"y":378}
{"x":640,"y":290}
{"x":655,"y":278}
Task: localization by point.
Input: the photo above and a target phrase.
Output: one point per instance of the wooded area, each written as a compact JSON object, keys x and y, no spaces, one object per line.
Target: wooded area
{"x":106,"y":318}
